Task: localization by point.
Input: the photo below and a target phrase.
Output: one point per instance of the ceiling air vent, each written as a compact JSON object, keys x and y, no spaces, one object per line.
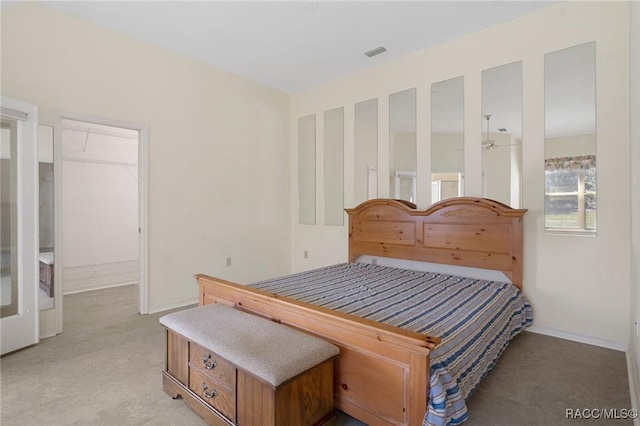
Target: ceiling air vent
{"x":375,"y":51}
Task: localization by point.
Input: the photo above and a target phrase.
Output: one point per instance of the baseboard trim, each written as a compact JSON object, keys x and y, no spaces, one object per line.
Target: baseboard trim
{"x":632,"y":373}
{"x":173,"y":305}
{"x":581,"y":338}
{"x":99,"y":287}
{"x":76,"y":279}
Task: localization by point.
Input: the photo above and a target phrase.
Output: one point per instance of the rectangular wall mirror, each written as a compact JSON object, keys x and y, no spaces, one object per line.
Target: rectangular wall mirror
{"x":402,"y":145}
{"x":447,"y":139}
{"x":46,"y":213}
{"x":366,"y":151}
{"x":307,"y":170}
{"x":570,"y":139}
{"x":502,"y":134}
{"x":334,"y":167}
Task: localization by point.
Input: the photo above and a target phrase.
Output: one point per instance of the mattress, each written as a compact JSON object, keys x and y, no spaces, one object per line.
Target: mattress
{"x":475,"y":319}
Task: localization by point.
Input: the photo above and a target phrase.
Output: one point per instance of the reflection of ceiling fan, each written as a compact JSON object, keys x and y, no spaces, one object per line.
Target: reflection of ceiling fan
{"x":489,"y":144}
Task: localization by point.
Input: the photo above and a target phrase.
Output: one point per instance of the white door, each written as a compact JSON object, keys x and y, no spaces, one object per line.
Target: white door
{"x":19,"y":326}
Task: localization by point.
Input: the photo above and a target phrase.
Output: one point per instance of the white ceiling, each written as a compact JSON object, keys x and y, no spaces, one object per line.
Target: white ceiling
{"x":295,"y":45}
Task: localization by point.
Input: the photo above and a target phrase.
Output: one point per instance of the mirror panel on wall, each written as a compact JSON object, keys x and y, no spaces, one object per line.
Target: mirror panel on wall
{"x":366,"y":151}
{"x":570,"y":139}
{"x":502,"y":134}
{"x":447,"y":139}
{"x":307,"y":170}
{"x":47,"y":216}
{"x":402,"y":145}
{"x":334,"y":167}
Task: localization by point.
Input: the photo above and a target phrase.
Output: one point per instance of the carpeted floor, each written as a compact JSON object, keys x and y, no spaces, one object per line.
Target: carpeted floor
{"x":105,"y":369}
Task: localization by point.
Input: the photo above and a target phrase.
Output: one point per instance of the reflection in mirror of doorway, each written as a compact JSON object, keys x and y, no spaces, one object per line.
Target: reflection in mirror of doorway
{"x":366,"y":151}
{"x":446,"y":185}
{"x":502,"y":134}
{"x":447,"y":139}
{"x":402,"y":145}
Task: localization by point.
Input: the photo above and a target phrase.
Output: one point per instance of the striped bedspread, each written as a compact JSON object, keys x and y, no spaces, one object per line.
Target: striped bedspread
{"x":474,"y":319}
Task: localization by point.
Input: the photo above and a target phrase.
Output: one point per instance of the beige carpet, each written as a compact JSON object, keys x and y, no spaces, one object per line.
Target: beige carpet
{"x":105,"y":369}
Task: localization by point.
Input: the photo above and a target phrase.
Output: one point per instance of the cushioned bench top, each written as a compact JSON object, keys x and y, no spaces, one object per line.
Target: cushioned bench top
{"x":269,"y":351}
{"x":46,"y":257}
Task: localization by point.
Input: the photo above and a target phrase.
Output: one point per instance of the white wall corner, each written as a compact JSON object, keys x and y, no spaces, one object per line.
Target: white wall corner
{"x":632,"y":353}
{"x":632,"y":372}
{"x":173,"y":305}
{"x":616,"y":345}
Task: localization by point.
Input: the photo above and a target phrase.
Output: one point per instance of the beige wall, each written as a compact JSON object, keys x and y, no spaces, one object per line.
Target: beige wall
{"x":579,"y":286}
{"x":218,"y":144}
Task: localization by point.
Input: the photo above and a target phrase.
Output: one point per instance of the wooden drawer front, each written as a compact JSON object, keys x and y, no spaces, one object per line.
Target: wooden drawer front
{"x":220,"y":369}
{"x":223,"y":398}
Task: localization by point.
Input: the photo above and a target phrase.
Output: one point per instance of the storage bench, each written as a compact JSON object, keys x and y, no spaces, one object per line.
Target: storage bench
{"x":235,"y":368}
{"x":46,"y":273}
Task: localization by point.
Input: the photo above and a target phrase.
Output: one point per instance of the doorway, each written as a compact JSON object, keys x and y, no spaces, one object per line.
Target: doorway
{"x":102,"y":209}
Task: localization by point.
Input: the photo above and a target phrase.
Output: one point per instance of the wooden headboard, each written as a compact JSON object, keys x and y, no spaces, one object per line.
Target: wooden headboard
{"x":465,"y":231}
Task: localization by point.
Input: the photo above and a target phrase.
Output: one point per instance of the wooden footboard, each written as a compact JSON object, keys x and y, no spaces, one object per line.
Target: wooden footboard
{"x":382,"y":372}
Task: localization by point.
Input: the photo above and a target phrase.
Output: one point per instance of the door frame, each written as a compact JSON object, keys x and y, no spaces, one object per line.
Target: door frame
{"x":143,"y":208}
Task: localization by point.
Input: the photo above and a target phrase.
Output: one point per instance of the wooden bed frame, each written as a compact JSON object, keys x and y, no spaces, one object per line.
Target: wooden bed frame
{"x":382,"y":373}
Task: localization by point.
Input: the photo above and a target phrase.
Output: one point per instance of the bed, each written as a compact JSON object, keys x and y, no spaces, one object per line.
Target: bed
{"x":392,"y":370}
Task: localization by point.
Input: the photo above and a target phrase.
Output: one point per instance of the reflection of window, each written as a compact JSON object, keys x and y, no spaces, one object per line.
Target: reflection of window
{"x":570,"y":193}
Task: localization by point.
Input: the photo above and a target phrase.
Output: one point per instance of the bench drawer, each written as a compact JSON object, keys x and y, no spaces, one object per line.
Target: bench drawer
{"x":229,"y":375}
{"x":213,"y":365}
{"x":213,"y":393}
